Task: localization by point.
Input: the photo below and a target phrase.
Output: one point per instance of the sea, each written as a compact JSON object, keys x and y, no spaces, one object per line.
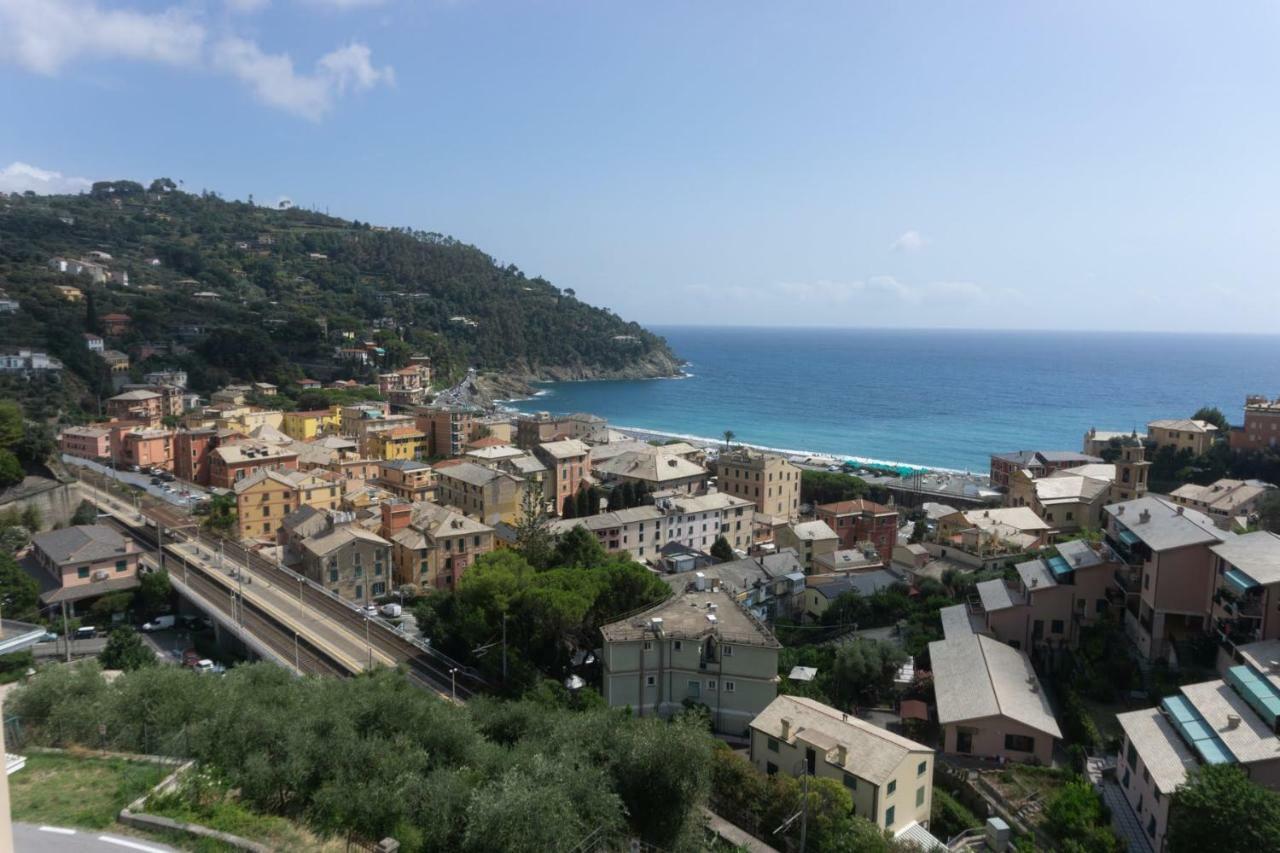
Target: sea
{"x":943,"y":399}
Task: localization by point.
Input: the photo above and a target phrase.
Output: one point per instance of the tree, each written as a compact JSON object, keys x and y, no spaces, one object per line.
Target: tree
{"x":570,"y":507}
{"x":1269,"y":512}
{"x":863,"y":670}
{"x":919,"y":531}
{"x":729,"y":436}
{"x":1213,"y":415}
{"x":11,"y":427}
{"x":722,"y":550}
{"x":19,"y":593}
{"x":91,"y":312}
{"x":1220,"y":809}
{"x":154,"y":592}
{"x":533,"y":541}
{"x":86,"y":513}
{"x":582,"y":503}
{"x":11,"y":472}
{"x":126,"y":650}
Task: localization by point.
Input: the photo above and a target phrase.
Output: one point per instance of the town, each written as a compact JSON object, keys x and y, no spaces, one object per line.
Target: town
{"x":1043,"y":657}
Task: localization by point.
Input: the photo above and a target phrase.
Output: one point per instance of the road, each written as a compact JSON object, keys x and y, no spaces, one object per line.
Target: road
{"x":53,"y":839}
{"x":142,"y":481}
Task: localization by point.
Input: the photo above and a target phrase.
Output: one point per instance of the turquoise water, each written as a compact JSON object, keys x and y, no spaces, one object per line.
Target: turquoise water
{"x":938,"y":398}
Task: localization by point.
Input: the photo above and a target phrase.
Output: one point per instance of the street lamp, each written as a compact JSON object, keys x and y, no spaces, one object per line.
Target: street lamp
{"x":453,"y":683}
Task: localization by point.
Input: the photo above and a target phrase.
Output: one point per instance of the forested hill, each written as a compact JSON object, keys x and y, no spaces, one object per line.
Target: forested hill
{"x":291,"y":286}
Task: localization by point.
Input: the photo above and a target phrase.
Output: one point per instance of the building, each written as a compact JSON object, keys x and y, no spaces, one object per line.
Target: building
{"x":115,"y":325}
{"x":406,"y":386}
{"x":7,"y":305}
{"x":809,"y":539}
{"x":701,"y":647}
{"x":1261,"y":428}
{"x":265,"y":498}
{"x":141,"y":446}
{"x":482,"y":493}
{"x":136,"y":405}
{"x":1053,"y":598}
{"x":349,"y":561}
{"x":822,"y":590}
{"x":1246,"y":598}
{"x":88,"y":442}
{"x":771,"y":586}
{"x":1227,"y":502}
{"x":993,"y":532}
{"x":191,"y":451}
{"x":766,"y":479}
{"x":401,"y":442}
{"x":1040,"y":463}
{"x":70,"y":294}
{"x":1230,"y":720}
{"x":231,"y":463}
{"x":432,"y":545}
{"x":849,"y":561}
{"x":567,"y":465}
{"x":27,"y":362}
{"x":117,"y":362}
{"x":447,"y":428}
{"x":859,"y":521}
{"x":407,"y":479}
{"x":657,"y":471}
{"x":1097,"y":441}
{"x":305,"y":426}
{"x":694,"y":522}
{"x":889,"y":777}
{"x":542,"y":427}
{"x":84,"y":561}
{"x":94,"y":342}
{"x":173,"y":400}
{"x":1182,"y":434}
{"x":1066,"y":500}
{"x":1170,"y":570}
{"x":169,"y":376}
{"x":990,"y":702}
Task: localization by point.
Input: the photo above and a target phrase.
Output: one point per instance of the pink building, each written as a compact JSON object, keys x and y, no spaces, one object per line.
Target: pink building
{"x":85,"y":562}
{"x":87,"y":442}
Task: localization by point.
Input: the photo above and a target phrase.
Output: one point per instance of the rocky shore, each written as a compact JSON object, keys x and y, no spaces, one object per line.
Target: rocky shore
{"x":519,"y":382}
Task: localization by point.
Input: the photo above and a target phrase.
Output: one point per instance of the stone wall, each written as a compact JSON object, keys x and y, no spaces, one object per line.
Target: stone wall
{"x":55,"y":501}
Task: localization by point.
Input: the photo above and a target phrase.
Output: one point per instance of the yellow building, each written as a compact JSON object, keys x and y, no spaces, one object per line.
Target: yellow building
{"x":396,"y":443}
{"x":305,"y":426}
{"x":263,"y":500}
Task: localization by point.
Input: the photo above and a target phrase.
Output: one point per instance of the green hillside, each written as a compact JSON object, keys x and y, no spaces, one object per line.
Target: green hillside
{"x":290,"y":287}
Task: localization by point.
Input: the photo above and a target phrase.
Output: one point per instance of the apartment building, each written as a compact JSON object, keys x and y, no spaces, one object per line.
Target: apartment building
{"x":567,"y":468}
{"x":766,"y":479}
{"x":1182,"y":434}
{"x":265,"y":498}
{"x":84,"y":562}
{"x":1066,"y":500}
{"x":482,"y":493}
{"x":404,"y":387}
{"x":699,"y":646}
{"x":1040,"y":463}
{"x":400,"y":442}
{"x":191,"y":452}
{"x":1246,"y":597}
{"x":407,"y":479}
{"x":658,"y":471}
{"x":173,"y":399}
{"x":1230,"y":720}
{"x":138,"y":405}
{"x":889,"y":777}
{"x":770,"y":586}
{"x":990,"y":702}
{"x":1053,"y":598}
{"x":543,"y":427}
{"x":1170,"y":570}
{"x":447,"y":428}
{"x":809,"y":539}
{"x":143,"y":447}
{"x":433,"y":545}
{"x":231,"y":463}
{"x":1096,"y":440}
{"x":88,"y":442}
{"x":305,"y":426}
{"x":349,"y":561}
{"x":693,"y":522}
{"x":1261,"y":428}
{"x":1227,"y":502}
{"x":858,"y":521}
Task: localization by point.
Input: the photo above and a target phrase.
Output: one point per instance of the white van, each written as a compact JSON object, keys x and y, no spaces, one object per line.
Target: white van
{"x":159,"y":623}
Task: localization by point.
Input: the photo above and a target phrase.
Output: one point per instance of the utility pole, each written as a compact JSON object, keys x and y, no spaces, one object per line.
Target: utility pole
{"x":504,"y":648}
{"x":453,"y":683}
{"x":65,"y":633}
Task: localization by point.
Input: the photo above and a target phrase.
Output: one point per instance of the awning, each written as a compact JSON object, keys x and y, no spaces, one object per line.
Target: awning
{"x":1240,"y":580}
{"x":1129,"y":538}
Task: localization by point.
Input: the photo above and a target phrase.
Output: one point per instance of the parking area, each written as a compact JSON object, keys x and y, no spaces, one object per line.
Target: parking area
{"x":174,"y":491}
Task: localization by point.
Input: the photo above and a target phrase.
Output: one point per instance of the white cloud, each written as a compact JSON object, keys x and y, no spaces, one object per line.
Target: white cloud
{"x":44,"y":35}
{"x":273,"y":79}
{"x":246,"y":7}
{"x":345,"y":4}
{"x":881,"y":286}
{"x":21,"y":177}
{"x":909,"y":241}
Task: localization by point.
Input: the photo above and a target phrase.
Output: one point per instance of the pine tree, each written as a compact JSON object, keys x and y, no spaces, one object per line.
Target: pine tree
{"x":583,"y":503}
{"x":91,"y":312}
{"x":570,"y":508}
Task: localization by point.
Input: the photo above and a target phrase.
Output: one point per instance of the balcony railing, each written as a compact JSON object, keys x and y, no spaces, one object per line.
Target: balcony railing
{"x":1129,"y":580}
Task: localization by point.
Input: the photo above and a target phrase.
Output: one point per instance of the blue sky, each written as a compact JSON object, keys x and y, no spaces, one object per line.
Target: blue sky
{"x":993,"y":165}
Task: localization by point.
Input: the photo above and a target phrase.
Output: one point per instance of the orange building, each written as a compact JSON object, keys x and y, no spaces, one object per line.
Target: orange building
{"x":137,"y":405}
{"x":234,"y":462}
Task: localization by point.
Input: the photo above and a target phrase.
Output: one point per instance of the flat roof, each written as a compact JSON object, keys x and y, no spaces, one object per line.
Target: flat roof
{"x":1162,"y":525}
{"x":1250,"y":740}
{"x":684,"y":616}
{"x":1159,"y":746}
{"x":1256,"y":554}
{"x":995,"y":595}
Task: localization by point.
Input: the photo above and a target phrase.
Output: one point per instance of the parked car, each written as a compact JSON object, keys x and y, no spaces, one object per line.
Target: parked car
{"x":155,"y":481}
{"x":88,"y":632}
{"x":204,"y":666}
{"x":190,"y":658}
{"x":48,"y":637}
{"x":370,"y":610}
{"x":159,"y":623}
{"x":166,"y":476}
{"x":392,"y":610}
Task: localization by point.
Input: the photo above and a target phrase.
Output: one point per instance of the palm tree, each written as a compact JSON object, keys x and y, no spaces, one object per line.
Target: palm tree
{"x":729,"y":436}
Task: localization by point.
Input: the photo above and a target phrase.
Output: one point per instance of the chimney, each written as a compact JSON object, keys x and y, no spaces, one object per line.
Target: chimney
{"x":842,"y":754}
{"x":395,"y":517}
{"x":1233,"y":721}
{"x":1179,"y":509}
{"x":786,"y":728}
{"x":1144,"y":516}
{"x":1120,"y":510}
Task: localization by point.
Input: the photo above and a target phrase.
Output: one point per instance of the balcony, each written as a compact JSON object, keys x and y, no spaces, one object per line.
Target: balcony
{"x":1128,"y":580}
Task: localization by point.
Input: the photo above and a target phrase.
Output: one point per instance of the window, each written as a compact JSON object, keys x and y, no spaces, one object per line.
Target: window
{"x":1100,"y":606}
{"x":378,"y":589}
{"x":727,"y":651}
{"x":1146,"y":581}
{"x":359,"y":592}
{"x":1019,"y":743}
{"x":888,"y":816}
{"x":772,"y":744}
{"x":648,"y":645}
{"x":695,"y":689}
{"x":1056,"y":626}
{"x":121,"y":565}
{"x":920,"y":796}
{"x":1131,"y":756}
{"x":82,"y":572}
{"x":921,"y":767}
{"x":649,"y":681}
{"x":771,"y":768}
{"x":677,"y":645}
{"x":729,"y":687}
{"x":333,"y":576}
{"x":850,"y":781}
{"x":711,"y":684}
{"x":893,"y":786}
